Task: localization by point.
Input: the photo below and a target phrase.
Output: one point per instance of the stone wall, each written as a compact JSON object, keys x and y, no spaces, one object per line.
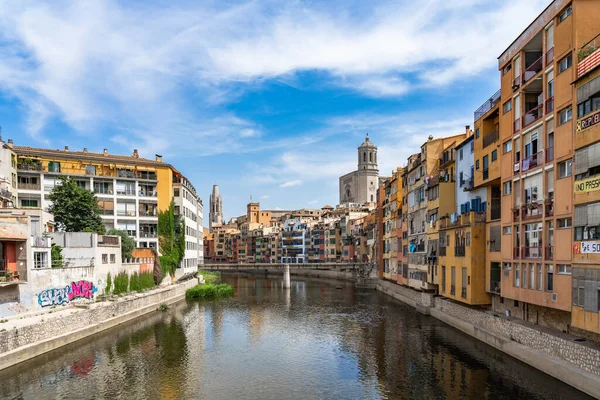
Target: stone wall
{"x":56,"y":330}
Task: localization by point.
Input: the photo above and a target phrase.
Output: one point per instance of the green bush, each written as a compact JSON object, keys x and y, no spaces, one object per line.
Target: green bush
{"x":134,"y":283}
{"x":108,"y":284}
{"x":210,"y":276}
{"x":121,"y":283}
{"x":146,"y":281}
{"x":209,"y":291}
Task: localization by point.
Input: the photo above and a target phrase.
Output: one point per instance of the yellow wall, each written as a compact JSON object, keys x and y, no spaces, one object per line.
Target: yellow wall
{"x":164,"y":188}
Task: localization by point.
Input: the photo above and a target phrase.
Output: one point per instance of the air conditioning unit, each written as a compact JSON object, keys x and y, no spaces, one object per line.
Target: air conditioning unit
{"x":554,"y":296}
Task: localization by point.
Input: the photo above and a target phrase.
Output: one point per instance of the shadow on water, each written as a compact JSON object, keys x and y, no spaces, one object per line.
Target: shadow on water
{"x":320,"y":339}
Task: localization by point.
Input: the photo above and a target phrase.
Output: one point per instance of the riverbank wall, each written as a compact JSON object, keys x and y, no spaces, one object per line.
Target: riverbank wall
{"x":554,"y":353}
{"x":51,"y":331}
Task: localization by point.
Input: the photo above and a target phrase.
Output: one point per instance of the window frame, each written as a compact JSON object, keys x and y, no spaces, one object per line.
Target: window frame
{"x":504,"y":186}
{"x":507,"y":106}
{"x":507,"y":146}
{"x":568,"y":111}
{"x":494,"y":155}
{"x":565,"y":166}
{"x":569,"y":63}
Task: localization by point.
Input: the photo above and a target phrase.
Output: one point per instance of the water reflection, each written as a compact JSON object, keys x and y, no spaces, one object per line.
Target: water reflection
{"x":321,"y":339}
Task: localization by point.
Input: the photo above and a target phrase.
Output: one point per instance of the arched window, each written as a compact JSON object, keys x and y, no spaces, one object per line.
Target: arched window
{"x":365,"y":157}
{"x":370,"y":157}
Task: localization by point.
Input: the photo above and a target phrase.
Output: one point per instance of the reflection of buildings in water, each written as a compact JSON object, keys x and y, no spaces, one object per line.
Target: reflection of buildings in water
{"x":255,"y":321}
{"x":288,"y":299}
{"x":216,"y":320}
{"x":194,"y":320}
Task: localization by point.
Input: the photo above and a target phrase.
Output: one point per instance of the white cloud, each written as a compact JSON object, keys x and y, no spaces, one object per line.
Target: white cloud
{"x":93,"y":64}
{"x":289,"y":184}
{"x":312,"y":202}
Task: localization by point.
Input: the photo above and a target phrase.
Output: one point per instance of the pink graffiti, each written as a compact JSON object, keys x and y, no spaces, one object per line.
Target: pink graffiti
{"x":82,"y":289}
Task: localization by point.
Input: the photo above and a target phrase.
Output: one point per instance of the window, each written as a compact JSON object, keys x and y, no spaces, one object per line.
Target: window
{"x":508,"y":146}
{"x":564,"y":222}
{"x":90,"y":170}
{"x":112,"y":258}
{"x":472,"y":147}
{"x":176,"y":192}
{"x":565,"y":14}
{"x":507,"y":69}
{"x":517,"y":275}
{"x":460,"y":154}
{"x":461,"y":180}
{"x":468,"y":238}
{"x":40,"y":259}
{"x":549,"y":277}
{"x":53,"y":166}
{"x":565,"y":169}
{"x":524,"y":276}
{"x":477,"y":133}
{"x":29,"y":203}
{"x":565,"y":115}
{"x":565,"y":63}
{"x":531,"y":276}
{"x":507,"y":188}
{"x":564,"y":269}
{"x":494,"y":155}
{"x":588,"y":106}
{"x":506,"y":107}
{"x":104,"y":258}
{"x":476,"y":164}
{"x":507,"y":230}
{"x":539,"y":277}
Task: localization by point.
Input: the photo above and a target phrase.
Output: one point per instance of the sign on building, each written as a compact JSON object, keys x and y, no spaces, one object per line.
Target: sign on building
{"x":587,"y":185}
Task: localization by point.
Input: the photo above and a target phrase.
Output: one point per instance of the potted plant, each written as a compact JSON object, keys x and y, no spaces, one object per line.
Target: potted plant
{"x":8,"y":276}
{"x":2,"y":279}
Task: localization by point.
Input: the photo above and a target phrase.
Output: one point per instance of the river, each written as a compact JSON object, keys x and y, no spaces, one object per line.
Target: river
{"x":320,"y":340}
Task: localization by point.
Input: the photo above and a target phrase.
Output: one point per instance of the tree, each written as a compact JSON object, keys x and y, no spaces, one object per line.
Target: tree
{"x":171,"y":239}
{"x":74,"y":208}
{"x":56,"y":256}
{"x":127,"y":242}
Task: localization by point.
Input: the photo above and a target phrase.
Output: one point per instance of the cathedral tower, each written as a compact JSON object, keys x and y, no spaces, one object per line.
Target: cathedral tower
{"x":216,"y":208}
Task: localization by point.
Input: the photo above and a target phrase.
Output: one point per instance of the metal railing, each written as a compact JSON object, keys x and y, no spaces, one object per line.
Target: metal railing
{"x":102,"y":190}
{"x":533,"y":69}
{"x":549,"y":105}
{"x":29,"y":167}
{"x":29,"y":186}
{"x":532,"y":252}
{"x":549,"y":55}
{"x":533,"y":115}
{"x":149,"y":193}
{"x":532,"y":210}
{"x":532,"y":161}
{"x":126,"y":192}
{"x":106,"y":212}
{"x":487,"y":106}
{"x":549,"y":253}
{"x":517,"y":125}
{"x":148,"y":235}
{"x":549,"y":154}
{"x":588,"y":48}
{"x":490,"y":138}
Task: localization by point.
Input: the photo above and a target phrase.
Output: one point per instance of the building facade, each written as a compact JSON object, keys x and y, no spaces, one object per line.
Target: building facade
{"x":361,"y":185}
{"x":215,"y":217}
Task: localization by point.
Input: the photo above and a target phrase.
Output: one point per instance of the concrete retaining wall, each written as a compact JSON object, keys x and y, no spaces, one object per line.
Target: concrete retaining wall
{"x":575,"y":363}
{"x":20,"y":344}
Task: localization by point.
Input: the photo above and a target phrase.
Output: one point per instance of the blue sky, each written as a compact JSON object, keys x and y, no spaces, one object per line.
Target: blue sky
{"x":265,"y":98}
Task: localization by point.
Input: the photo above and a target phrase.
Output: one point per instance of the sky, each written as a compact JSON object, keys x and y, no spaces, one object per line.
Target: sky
{"x":268,"y":99}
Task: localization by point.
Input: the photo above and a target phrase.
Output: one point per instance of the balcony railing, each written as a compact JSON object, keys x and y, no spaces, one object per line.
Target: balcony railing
{"x":148,"y":235}
{"x":550,"y":56}
{"x":532,"y":252}
{"x":533,"y":115}
{"x":532,"y":210}
{"x":549,"y":154}
{"x":101,"y":190}
{"x":516,"y":83}
{"x":589,"y":48}
{"x":106,"y":212}
{"x":549,"y":105}
{"x":108,"y":240}
{"x":516,"y":253}
{"x":517,"y":125}
{"x":144,"y":213}
{"x":147,"y":193}
{"x":549,"y":253}
{"x":29,"y":167}
{"x":532,"y":161}
{"x":463,"y":292}
{"x":490,"y":138}
{"x":487,"y":106}
{"x":549,"y":208}
{"x":516,"y":213}
{"x":459,"y":251}
{"x":126,"y":192}
{"x":588,"y":56}
{"x":533,"y":69}
{"x":29,"y":186}
{"x":468,"y":184}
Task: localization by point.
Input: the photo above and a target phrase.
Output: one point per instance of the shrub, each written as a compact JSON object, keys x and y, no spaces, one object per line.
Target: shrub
{"x":209,"y":291}
{"x":210,"y":276}
{"x":56,"y":256}
{"x":134,"y":282}
{"x":146,"y":280}
{"x":121,"y":283}
{"x":108,"y":284}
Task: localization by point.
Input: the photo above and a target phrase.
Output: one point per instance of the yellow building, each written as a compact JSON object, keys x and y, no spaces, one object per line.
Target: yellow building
{"x":130,"y":189}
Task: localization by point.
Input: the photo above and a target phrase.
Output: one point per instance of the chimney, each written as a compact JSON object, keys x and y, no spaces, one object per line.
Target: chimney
{"x":10,"y":143}
{"x":158,"y":158}
{"x":136,"y":154}
{"x":85,"y":150}
{"x":467,"y":129}
{"x":67,"y":149}
{"x":105,"y":152}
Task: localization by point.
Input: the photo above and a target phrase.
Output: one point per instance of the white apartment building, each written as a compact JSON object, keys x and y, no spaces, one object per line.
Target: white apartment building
{"x":189,"y":205}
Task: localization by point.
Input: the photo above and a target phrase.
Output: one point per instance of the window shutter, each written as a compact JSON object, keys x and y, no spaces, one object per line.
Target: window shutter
{"x":593,"y":217}
{"x":593,"y":155}
{"x":581,"y":161}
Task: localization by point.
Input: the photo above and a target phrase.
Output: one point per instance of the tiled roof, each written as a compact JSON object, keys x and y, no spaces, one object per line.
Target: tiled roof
{"x":26,"y":150}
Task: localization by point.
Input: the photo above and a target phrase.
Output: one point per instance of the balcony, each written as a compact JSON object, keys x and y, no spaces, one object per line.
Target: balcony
{"x":490,"y":138}
{"x":459,"y":251}
{"x":495,"y":287}
{"x":549,"y":56}
{"x":126,"y":192}
{"x":549,"y":207}
{"x":532,"y":161}
{"x":517,"y":168}
{"x":144,"y":175}
{"x":106,"y":212}
{"x":588,"y":56}
{"x":30,"y":166}
{"x":463,"y":292}
{"x":6,"y":194}
{"x":533,"y":115}
{"x":487,"y":106}
{"x":468,"y":184}
{"x":102,"y":190}
{"x":516,"y":83}
{"x":516,"y":253}
{"x":147,"y":213}
{"x":104,"y":240}
{"x":532,"y":210}
{"x":549,"y":105}
{"x":516,"y":211}
{"x":517,"y":125}
{"x":549,"y":154}
{"x":533,"y":69}
{"x":549,"y":253}
{"x":150,"y":192}
{"x":532,"y":252}
{"x":29,"y":186}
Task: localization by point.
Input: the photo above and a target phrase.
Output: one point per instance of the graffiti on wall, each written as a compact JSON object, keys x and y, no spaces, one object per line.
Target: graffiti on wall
{"x":76,"y":290}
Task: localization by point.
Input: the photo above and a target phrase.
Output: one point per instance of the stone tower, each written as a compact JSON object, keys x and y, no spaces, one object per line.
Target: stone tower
{"x":361,"y":185}
{"x":367,"y":155}
{"x":216,"y":208}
